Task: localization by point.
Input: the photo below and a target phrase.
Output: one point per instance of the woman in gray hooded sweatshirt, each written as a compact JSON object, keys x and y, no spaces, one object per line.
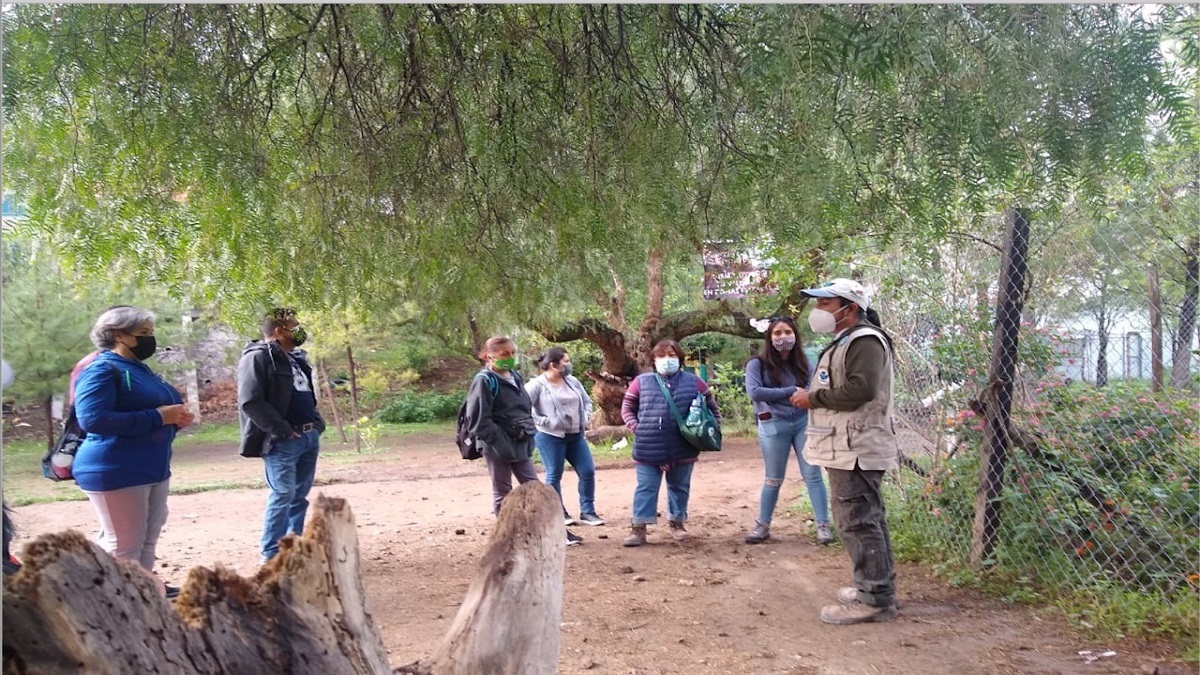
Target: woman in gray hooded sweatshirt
{"x":561,"y":409}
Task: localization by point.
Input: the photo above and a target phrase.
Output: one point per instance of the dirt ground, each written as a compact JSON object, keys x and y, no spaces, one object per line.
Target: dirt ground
{"x":711,"y":605}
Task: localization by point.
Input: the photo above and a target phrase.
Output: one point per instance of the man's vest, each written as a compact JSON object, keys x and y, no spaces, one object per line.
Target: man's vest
{"x":838,"y":439}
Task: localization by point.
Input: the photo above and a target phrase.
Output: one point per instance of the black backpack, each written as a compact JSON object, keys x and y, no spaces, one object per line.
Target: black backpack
{"x":462,"y":435}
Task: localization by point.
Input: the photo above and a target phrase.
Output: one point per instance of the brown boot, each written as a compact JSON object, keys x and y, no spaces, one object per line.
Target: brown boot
{"x":637,"y":536}
{"x":678,"y":531}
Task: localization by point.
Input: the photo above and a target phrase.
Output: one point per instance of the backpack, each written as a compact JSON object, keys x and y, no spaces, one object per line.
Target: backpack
{"x":56,"y":464}
{"x":462,"y":434}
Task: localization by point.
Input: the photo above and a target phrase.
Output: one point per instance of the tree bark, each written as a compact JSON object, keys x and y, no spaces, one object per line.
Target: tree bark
{"x":303,"y":614}
{"x":1156,"y":336}
{"x":1181,"y":357}
{"x":510,"y":620}
{"x":48,"y":409}
{"x":1009,"y":305}
{"x":337,"y":416}
{"x":353,"y":396}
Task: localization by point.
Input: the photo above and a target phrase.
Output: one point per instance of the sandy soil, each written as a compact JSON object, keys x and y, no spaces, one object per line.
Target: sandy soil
{"x":711,"y":605}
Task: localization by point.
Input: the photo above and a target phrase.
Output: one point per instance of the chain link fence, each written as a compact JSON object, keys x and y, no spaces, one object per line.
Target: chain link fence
{"x":1061,"y":463}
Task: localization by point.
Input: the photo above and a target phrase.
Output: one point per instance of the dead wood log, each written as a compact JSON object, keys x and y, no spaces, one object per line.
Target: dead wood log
{"x":609,"y":432}
{"x":509,"y":622}
{"x":73,"y":609}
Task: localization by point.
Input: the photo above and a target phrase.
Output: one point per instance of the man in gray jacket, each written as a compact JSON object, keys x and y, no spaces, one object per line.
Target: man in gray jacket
{"x":279,"y":420}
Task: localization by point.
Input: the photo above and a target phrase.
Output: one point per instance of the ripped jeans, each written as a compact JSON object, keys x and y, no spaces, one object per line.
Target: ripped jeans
{"x":779,"y":438}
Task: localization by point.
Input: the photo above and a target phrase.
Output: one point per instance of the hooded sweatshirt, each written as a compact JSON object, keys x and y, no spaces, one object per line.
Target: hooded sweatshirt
{"x":127,"y":444}
{"x":265,"y":387}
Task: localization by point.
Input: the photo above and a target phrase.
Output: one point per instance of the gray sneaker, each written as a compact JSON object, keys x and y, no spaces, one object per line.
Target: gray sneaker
{"x":846,"y":615}
{"x":760,"y":533}
{"x":824,"y":534}
{"x":590,"y":519}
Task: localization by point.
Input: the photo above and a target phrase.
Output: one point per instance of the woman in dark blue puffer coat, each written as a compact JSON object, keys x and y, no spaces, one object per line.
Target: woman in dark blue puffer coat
{"x":658,"y":447}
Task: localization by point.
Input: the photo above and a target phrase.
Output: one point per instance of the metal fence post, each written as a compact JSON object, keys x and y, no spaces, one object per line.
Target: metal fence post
{"x":998,"y":399}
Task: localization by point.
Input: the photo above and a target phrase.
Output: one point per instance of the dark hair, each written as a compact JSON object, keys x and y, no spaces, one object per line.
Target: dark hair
{"x":493,"y":343}
{"x":872,"y":318}
{"x":668,"y":345}
{"x":796,"y":362}
{"x":551,"y":357}
{"x":277,"y":318}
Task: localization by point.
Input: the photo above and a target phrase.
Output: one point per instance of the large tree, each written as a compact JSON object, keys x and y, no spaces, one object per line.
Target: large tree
{"x":547,"y":165}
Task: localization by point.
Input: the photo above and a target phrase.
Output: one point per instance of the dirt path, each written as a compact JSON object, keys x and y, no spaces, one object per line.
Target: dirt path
{"x":712,"y":605}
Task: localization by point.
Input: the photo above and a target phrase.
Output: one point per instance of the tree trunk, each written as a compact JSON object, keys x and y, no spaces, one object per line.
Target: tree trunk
{"x":1181,"y":356}
{"x":1102,"y":355}
{"x":303,"y":614}
{"x":353,"y":396}
{"x":510,"y":620}
{"x":337,"y":416}
{"x":477,"y":339}
{"x":48,"y":408}
{"x":1156,"y":336}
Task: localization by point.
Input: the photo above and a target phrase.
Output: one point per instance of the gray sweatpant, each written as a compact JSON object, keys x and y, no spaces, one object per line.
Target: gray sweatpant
{"x":131,"y":519}
{"x":502,"y":473}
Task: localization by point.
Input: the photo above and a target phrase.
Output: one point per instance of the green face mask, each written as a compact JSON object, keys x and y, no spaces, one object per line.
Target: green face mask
{"x":505,"y":364}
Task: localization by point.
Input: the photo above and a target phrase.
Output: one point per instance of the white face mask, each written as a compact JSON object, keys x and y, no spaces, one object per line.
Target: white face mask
{"x":822,"y":321}
{"x":666,"y":365}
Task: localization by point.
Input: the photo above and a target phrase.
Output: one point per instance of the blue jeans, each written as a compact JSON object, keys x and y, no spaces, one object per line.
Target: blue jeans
{"x":645,"y":496}
{"x":290,"y":466}
{"x":572,"y":448}
{"x":779,"y":438}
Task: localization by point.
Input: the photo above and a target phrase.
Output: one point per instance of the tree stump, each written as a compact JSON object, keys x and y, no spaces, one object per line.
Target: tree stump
{"x":510,"y":620}
{"x":74,"y":609}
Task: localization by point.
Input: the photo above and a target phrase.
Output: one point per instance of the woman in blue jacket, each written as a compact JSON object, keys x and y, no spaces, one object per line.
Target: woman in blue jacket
{"x":659,"y":449}
{"x":130,"y":415}
{"x":772,"y":377}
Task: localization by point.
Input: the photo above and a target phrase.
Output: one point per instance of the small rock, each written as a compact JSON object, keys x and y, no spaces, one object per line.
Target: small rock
{"x":761,"y":613}
{"x":424,"y":499}
{"x":682,"y":641}
{"x":602,"y":536}
{"x":460,"y":531}
{"x":906,"y":643}
{"x":724,"y":634}
{"x":859,"y":643}
{"x":639,"y":578}
{"x":686,"y":582}
{"x":588,"y":664}
{"x":626,"y":569}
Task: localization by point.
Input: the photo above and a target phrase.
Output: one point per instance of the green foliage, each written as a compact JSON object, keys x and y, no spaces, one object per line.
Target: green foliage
{"x":410,"y":407}
{"x":459,"y":151}
{"x":1133,"y":448}
{"x":962,"y":352}
{"x":728,"y":383}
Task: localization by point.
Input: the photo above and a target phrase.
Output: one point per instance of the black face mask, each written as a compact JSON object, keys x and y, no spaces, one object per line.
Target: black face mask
{"x":145,"y":347}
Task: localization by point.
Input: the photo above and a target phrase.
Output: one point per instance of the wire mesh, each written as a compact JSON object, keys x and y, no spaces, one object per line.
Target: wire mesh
{"x":1098,"y":499}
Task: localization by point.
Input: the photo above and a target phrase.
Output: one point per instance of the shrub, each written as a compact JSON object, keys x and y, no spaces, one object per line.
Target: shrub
{"x":411,"y":407}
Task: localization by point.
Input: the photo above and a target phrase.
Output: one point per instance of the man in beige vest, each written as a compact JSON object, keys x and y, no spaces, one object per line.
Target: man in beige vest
{"x":851,"y":434}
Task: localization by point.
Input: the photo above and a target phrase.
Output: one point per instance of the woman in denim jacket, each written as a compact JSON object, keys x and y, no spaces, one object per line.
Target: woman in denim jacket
{"x":771,"y":378}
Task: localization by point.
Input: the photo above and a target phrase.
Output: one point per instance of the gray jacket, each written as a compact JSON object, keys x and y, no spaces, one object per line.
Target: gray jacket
{"x":501,"y":424}
{"x":548,"y":416}
{"x":264,"y":378}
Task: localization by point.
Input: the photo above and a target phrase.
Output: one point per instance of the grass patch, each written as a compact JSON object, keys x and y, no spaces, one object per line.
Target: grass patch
{"x":209,"y":434}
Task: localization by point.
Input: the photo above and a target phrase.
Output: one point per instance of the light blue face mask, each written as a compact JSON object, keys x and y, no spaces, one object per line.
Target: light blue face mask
{"x":666,"y":365}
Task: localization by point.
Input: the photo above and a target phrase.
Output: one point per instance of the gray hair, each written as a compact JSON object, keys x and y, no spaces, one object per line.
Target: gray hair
{"x":121,"y":319}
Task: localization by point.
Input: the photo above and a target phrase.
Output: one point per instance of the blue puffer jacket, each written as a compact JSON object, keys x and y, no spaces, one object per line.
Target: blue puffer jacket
{"x":116,"y":400}
{"x":657,"y":440}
